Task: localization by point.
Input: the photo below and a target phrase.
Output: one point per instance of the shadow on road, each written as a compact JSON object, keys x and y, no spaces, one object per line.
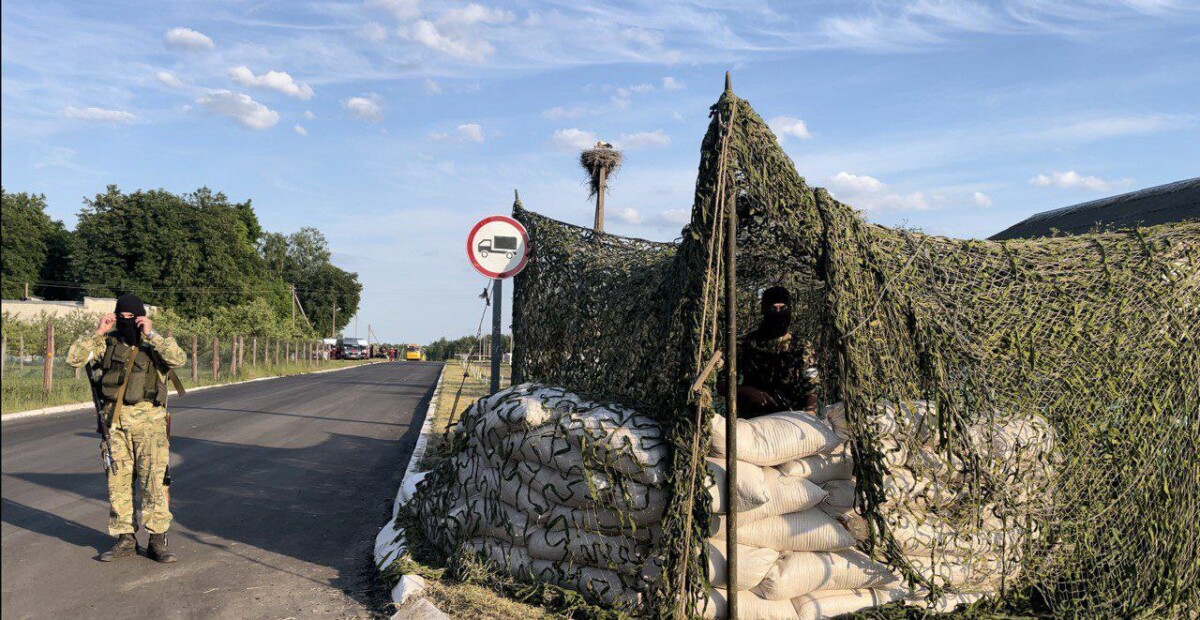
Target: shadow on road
{"x":321,"y":504}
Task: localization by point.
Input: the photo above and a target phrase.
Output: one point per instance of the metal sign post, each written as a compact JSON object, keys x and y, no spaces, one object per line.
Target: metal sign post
{"x":498,"y":248}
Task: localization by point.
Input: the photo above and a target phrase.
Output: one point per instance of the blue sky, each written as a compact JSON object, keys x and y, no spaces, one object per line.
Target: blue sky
{"x":393,"y":125}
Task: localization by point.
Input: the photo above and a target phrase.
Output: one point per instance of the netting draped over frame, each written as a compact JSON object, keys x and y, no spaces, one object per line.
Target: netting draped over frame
{"x":1085,"y":345}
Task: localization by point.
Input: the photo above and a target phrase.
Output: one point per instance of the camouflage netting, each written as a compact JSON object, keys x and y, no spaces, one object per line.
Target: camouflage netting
{"x":1049,"y":387}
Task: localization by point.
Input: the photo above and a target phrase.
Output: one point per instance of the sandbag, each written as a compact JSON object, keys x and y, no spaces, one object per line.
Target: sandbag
{"x":840,"y":493}
{"x":507,"y":557}
{"x":596,"y":584}
{"x":776,"y":438}
{"x":753,"y":564}
{"x":750,"y":607}
{"x":802,"y":572}
{"x":811,"y":530}
{"x":787,"y":494}
{"x":751,"y":486}
{"x":617,"y":553}
{"x":821,"y":468}
{"x":832,"y":603}
{"x":974,"y":573}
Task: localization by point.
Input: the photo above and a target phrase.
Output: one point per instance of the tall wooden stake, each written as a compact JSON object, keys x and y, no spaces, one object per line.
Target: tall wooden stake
{"x":731,"y":343}
{"x":48,"y":361}
{"x":195,"y":359}
{"x":216,"y":357}
{"x":599,"y":223}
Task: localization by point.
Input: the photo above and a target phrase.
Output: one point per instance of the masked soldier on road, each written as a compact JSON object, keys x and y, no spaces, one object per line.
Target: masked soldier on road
{"x":134,"y":363}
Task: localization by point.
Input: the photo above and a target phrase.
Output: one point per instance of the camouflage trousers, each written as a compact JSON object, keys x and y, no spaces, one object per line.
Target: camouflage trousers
{"x":140,"y":451}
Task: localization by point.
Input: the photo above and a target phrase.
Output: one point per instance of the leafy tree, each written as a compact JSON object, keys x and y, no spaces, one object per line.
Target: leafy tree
{"x":194,"y":253}
{"x":35,"y":247}
{"x":301,"y":259}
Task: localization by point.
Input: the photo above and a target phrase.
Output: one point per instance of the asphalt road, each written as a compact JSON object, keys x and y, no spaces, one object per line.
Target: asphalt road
{"x":279,"y":488}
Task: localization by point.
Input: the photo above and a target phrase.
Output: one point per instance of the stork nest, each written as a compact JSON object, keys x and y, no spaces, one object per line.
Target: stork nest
{"x":594,"y":160}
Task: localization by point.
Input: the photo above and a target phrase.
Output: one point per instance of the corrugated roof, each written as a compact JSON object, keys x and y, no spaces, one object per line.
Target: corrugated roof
{"x":1173,"y":202}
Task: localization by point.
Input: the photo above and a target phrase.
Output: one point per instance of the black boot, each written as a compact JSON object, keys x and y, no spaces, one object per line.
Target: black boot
{"x":125,"y":547}
{"x":157,"y":549}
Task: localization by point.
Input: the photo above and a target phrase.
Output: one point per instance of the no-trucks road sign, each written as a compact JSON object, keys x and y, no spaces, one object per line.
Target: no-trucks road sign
{"x":498,"y":246}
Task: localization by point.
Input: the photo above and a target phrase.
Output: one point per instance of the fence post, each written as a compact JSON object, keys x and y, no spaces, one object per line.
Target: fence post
{"x":216,"y":357}
{"x":21,"y":357}
{"x":4,"y":353}
{"x":242,"y":353}
{"x":48,"y":361}
{"x":234,"y":366}
{"x":195,"y":359}
{"x":254,"y":352}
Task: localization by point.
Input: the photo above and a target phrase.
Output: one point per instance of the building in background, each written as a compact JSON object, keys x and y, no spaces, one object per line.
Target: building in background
{"x":34,"y":308}
{"x":1173,"y":202}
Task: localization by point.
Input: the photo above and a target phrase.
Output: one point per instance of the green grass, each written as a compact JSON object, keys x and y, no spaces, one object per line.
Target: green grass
{"x":23,"y":384}
{"x":467,"y":382}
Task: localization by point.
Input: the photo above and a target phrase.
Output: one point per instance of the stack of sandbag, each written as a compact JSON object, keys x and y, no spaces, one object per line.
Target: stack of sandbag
{"x":798,"y":525}
{"x":556,"y":488}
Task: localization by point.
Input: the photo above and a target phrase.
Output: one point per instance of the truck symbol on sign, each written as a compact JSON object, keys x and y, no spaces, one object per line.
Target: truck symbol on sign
{"x":499,"y":243}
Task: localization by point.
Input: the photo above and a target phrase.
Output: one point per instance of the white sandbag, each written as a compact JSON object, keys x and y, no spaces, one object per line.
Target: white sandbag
{"x":510,"y":558}
{"x":821,"y":468}
{"x":848,"y":518}
{"x":776,"y":438}
{"x":596,"y":584}
{"x":618,"y":553}
{"x":753,"y":564}
{"x":832,"y":603}
{"x":787,"y":494}
{"x":973,"y":573}
{"x":751,"y":486}
{"x":811,"y":530}
{"x":835,"y":414}
{"x":801,"y":572}
{"x":597,"y":519}
{"x":750,"y":607}
{"x":841,"y":493}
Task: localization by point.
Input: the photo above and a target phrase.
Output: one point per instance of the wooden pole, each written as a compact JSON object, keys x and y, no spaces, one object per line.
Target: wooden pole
{"x":3,"y":353}
{"x":599,"y":223}
{"x":242,"y":353}
{"x":254,"y":352}
{"x":216,"y":357}
{"x":48,"y":360}
{"x":195,"y":359}
{"x":731,"y":413}
{"x":233,"y":356}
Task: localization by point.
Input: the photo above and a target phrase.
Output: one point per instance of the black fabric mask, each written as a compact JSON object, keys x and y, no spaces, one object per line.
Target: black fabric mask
{"x":775,"y":324}
{"x":128,"y":329}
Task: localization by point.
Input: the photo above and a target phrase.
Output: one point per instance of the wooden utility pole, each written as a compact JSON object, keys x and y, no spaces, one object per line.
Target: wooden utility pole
{"x":293,"y":306}
{"x":48,"y":360}
{"x":599,"y":162}
{"x":731,"y":413}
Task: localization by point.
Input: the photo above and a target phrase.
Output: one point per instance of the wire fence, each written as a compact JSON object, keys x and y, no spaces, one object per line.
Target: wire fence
{"x":35,"y":372}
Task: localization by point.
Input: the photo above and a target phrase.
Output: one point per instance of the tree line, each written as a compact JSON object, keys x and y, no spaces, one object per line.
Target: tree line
{"x":199,"y":254}
{"x":446,"y":349}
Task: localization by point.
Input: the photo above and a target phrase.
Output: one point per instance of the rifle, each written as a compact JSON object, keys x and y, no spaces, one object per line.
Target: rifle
{"x":94,"y":372}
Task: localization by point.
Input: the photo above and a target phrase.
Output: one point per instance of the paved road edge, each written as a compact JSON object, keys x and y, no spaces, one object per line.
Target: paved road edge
{"x":389,"y":543}
{"x":34,"y":413}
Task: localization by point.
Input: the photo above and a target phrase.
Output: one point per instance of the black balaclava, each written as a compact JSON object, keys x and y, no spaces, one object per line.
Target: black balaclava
{"x":775,"y":323}
{"x":128,"y":329}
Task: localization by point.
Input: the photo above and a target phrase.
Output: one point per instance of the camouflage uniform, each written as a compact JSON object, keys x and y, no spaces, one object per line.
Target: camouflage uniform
{"x":139,"y":442}
{"x":777,"y":367}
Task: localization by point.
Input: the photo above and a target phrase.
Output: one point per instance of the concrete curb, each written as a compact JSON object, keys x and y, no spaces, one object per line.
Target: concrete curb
{"x":87,"y":404}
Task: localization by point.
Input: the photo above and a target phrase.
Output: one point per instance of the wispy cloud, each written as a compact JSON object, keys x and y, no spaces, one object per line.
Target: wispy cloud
{"x":99,"y":115}
{"x":368,"y":108}
{"x":784,"y":126}
{"x":467,"y":132}
{"x":643,"y":139}
{"x":166,"y":78}
{"x":1073,"y":180}
{"x":186,"y":38}
{"x":572,"y":139}
{"x":867,"y":192}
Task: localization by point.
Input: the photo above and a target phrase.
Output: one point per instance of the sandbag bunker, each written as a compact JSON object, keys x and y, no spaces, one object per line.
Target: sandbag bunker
{"x":555,"y":488}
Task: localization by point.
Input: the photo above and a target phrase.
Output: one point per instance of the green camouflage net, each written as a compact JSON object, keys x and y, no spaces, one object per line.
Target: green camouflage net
{"x":1035,"y":403}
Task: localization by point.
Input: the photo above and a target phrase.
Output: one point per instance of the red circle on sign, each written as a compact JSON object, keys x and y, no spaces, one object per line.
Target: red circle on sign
{"x":484,"y":270}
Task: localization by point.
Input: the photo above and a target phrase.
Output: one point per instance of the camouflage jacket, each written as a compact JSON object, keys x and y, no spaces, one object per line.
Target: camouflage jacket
{"x":93,"y":346}
{"x":776,"y":366}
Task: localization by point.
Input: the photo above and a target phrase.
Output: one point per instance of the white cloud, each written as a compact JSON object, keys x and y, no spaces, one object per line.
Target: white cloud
{"x":369,"y":108}
{"x":400,"y":9}
{"x":1074,"y":180}
{"x":573,"y":139}
{"x":641,"y":88}
{"x":677,"y":217}
{"x":475,"y":14}
{"x":99,"y":115}
{"x":558,"y":112}
{"x":168,"y":79}
{"x":309,"y":115}
{"x":981,"y":199}
{"x":374,"y":32}
{"x":471,"y":131}
{"x":789,"y":126}
{"x":240,"y":107}
{"x":869,"y":193}
{"x":186,"y":38}
{"x":279,"y":81}
{"x":670,"y":83}
{"x":644,"y":139}
{"x":300,"y":130}
{"x":461,"y":45}
{"x":629,"y":215}
{"x":431,"y":87}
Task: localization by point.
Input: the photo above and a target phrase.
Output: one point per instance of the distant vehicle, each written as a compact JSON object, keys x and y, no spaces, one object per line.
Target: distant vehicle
{"x":499,"y":243}
{"x":352,"y":349}
{"x":414,"y":353}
